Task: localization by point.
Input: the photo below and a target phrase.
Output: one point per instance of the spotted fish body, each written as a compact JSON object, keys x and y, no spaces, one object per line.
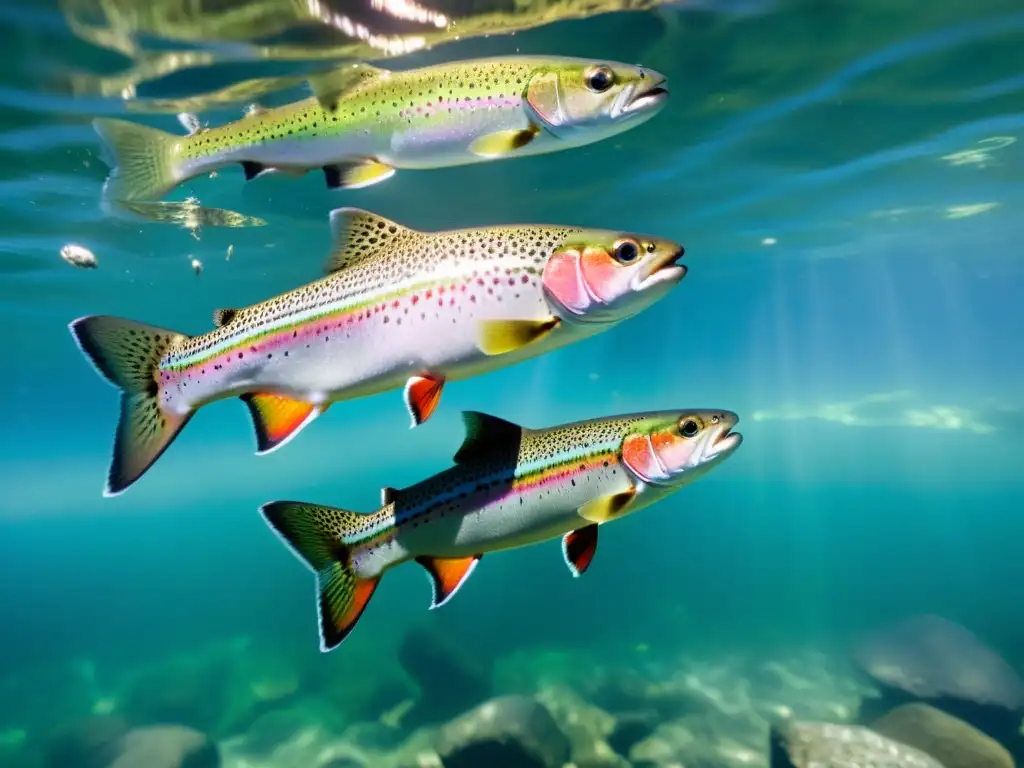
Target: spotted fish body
{"x":363,"y":122}
{"x":367,"y":328}
{"x":510,"y":487}
{"x":399,"y":308}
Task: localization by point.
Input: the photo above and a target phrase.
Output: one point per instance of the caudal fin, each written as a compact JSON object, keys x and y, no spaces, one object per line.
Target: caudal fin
{"x":316,"y":536}
{"x":142,"y":160}
{"x":127,"y":354}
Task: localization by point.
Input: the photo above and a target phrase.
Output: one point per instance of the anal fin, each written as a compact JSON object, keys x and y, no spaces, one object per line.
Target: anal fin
{"x":579,"y":547}
{"x":356,"y":174}
{"x":447,"y":575}
{"x":498,"y":337}
{"x":607,"y":508}
{"x":253,"y":169}
{"x":277,"y":418}
{"x":422,"y":394}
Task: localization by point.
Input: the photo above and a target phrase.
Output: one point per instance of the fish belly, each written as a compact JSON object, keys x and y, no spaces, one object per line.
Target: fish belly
{"x":441,"y":138}
{"x":525,"y":515}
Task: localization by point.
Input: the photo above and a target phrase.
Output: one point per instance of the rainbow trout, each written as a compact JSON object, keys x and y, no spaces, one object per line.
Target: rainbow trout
{"x":363,"y":122}
{"x":399,"y":309}
{"x":510,"y":487}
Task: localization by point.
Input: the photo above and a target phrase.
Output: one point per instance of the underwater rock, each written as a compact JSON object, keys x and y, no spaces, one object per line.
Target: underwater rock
{"x":95,"y":742}
{"x":934,"y":660}
{"x":221,"y":691}
{"x":586,"y":726}
{"x":825,"y":745}
{"x":507,"y":732}
{"x":450,"y":678}
{"x":632,"y":728}
{"x":272,"y":729}
{"x":167,"y":746}
{"x":677,"y":744}
{"x":951,"y":741}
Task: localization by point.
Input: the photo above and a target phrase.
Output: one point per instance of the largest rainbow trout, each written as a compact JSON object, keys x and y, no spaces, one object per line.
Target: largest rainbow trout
{"x":510,"y":487}
{"x":363,"y":122}
{"x":399,"y":308}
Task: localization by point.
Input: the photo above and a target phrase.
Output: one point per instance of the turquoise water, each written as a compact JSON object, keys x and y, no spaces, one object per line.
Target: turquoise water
{"x":847,"y":180}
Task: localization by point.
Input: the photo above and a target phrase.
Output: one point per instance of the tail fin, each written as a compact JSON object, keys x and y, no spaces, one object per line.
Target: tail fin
{"x":316,"y":535}
{"x":127,"y":355}
{"x":142,"y":160}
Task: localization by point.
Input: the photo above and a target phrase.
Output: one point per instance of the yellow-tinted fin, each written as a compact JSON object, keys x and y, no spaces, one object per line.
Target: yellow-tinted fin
{"x":331,"y":87}
{"x":142,"y":159}
{"x":503,"y":143}
{"x":607,"y":507}
{"x":317,"y":536}
{"x":359,"y":235}
{"x":357,"y":174}
{"x":447,"y":575}
{"x":500,"y":336}
{"x":128,"y":354}
{"x":277,"y":418}
{"x":224,"y":316}
{"x":487,"y":435}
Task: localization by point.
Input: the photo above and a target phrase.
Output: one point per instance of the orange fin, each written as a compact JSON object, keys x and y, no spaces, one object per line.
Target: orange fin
{"x":578,"y":548}
{"x":447,"y":574}
{"x":277,"y":418}
{"x":422,"y":394}
{"x":316,"y":535}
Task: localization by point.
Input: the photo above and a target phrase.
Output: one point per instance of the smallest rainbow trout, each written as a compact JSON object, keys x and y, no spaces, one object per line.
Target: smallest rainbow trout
{"x":363,"y":122}
{"x":510,"y":487}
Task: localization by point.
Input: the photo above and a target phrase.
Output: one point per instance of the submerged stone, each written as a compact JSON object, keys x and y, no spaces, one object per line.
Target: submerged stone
{"x":507,"y":732}
{"x":946,"y":738}
{"x":929,"y":657}
{"x":824,"y":745}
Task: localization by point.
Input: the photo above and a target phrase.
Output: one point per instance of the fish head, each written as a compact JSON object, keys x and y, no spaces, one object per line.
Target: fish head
{"x":603,"y":276}
{"x":581,"y":101}
{"x":674,"y":448}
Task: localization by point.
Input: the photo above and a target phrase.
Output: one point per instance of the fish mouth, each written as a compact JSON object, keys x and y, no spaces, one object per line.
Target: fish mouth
{"x":725,"y":442}
{"x":665,"y":270}
{"x":654,"y":97}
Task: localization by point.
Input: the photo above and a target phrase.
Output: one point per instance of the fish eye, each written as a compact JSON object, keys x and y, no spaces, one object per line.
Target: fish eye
{"x":600,"y":79}
{"x":626,"y":252}
{"x":689,"y":428}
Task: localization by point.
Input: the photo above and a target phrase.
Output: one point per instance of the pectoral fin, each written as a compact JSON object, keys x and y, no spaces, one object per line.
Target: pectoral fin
{"x":607,"y":507}
{"x":578,"y":548}
{"x":356,"y":174}
{"x":447,"y":575}
{"x":277,"y":418}
{"x":503,"y":143}
{"x":422,"y":394}
{"x":500,"y":336}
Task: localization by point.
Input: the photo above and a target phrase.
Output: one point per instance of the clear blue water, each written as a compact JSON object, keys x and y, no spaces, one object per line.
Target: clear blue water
{"x":848,"y":181}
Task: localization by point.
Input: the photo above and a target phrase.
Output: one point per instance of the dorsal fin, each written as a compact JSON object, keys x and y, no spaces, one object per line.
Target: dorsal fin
{"x":357,"y":235}
{"x":389,"y":495}
{"x":485,"y":434}
{"x":330,"y":87}
{"x":224,"y":316}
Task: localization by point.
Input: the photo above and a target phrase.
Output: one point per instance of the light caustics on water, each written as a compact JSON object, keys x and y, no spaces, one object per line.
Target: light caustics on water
{"x":239,"y":32}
